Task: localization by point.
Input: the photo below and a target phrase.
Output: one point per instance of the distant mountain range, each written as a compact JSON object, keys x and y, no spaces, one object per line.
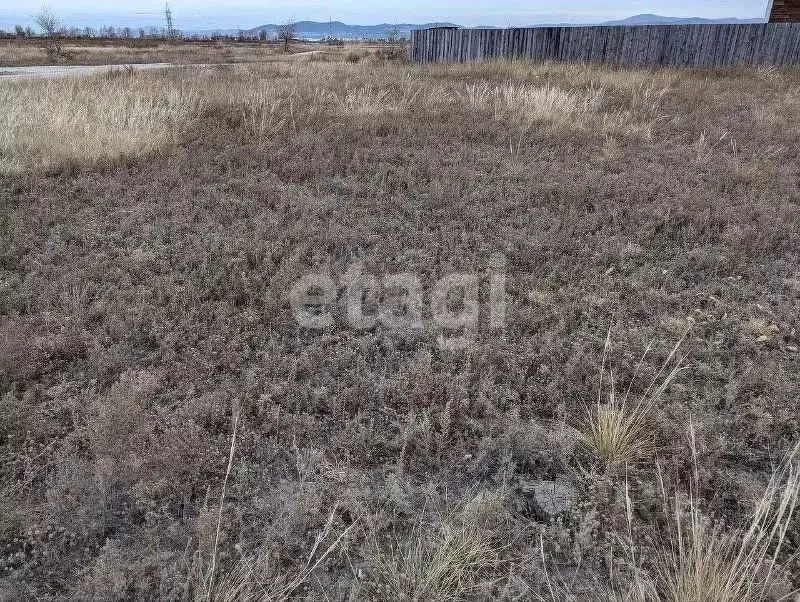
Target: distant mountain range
{"x":659,"y":20}
{"x":337,"y":29}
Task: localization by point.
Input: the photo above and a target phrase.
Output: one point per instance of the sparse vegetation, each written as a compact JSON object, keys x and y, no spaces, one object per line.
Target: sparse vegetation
{"x":701,"y":558}
{"x":29,"y":52}
{"x":168,"y":431}
{"x":396,"y":46}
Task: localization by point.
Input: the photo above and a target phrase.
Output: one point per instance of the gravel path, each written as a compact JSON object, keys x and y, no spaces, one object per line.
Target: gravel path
{"x":63,"y":70}
{"x":66,"y":70}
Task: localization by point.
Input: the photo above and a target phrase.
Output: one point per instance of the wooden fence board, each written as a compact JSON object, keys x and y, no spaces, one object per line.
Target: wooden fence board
{"x":672,"y":45}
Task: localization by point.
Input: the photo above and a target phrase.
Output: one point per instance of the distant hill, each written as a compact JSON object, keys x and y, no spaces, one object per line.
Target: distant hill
{"x":659,"y":20}
{"x":648,"y":19}
{"x":337,"y":29}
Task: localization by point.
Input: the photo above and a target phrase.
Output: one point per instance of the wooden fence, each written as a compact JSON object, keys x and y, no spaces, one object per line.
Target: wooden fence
{"x":675,"y":45}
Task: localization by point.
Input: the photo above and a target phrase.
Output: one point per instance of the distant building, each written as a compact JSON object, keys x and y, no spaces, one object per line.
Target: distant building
{"x":784,"y":11}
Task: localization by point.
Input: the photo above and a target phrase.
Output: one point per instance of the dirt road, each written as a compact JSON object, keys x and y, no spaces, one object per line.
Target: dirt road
{"x":66,"y":70}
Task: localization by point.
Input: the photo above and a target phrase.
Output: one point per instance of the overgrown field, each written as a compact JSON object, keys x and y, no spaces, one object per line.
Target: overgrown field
{"x":33,"y":51}
{"x":169,"y":431}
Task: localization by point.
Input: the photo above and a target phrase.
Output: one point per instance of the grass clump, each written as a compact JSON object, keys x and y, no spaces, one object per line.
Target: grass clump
{"x":353,"y":58}
{"x":704,"y":560}
{"x":259,"y":576}
{"x":531,"y":104}
{"x":446,"y":560}
{"x":617,"y":431}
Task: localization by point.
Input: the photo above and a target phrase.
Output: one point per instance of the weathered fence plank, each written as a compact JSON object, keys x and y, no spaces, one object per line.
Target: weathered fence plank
{"x":673,"y":45}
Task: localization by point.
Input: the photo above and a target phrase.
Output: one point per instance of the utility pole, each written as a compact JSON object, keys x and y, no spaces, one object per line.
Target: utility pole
{"x":170,"y":26}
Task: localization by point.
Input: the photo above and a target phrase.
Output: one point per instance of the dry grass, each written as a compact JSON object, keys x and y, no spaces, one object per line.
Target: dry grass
{"x":153,"y":223}
{"x":703,"y":559}
{"x":617,"y":432}
{"x":259,"y":576}
{"x":529,"y":104}
{"x":24,"y":53}
{"x":706,"y":560}
{"x":447,"y":560}
{"x":18,"y":55}
{"x":49,"y":123}
{"x":699,"y":557}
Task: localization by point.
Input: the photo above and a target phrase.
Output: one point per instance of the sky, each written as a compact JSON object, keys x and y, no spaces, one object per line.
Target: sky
{"x":233,"y":14}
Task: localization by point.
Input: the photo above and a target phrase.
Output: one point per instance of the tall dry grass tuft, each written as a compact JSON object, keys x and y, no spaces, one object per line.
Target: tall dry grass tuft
{"x":91,"y":119}
{"x":532,"y":104}
{"x":365,"y":100}
{"x":264,"y":112}
{"x":207,"y":577}
{"x":577,"y":96}
{"x":370,"y":99}
{"x":259,"y":577}
{"x":444,"y":561}
{"x":616,"y":432}
{"x":704,"y":561}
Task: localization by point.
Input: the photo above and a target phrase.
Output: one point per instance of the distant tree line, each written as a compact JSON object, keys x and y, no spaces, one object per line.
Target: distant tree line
{"x":159,"y":33}
{"x":52,"y":30}
{"x":129,"y":33}
{"x":107,"y":31}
